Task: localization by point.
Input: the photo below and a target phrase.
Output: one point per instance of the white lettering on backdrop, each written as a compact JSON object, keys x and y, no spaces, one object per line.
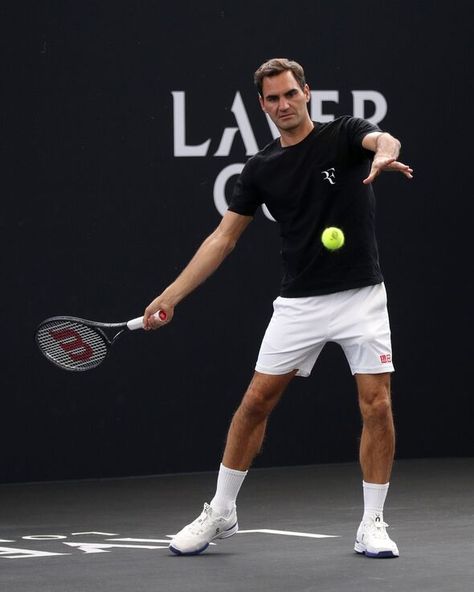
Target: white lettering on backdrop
{"x":360,"y":101}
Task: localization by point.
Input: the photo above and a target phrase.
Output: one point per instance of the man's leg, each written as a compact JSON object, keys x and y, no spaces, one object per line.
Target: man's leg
{"x":377,"y":448}
{"x":377,"y":444}
{"x":244,"y":441}
{"x":247,"y":429}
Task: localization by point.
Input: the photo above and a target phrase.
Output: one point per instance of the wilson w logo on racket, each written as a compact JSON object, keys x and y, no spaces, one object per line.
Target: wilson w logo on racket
{"x":72,"y":343}
{"x":78,"y":344}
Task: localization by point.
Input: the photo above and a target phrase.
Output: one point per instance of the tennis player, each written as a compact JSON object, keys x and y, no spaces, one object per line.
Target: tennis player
{"x":313,"y":176}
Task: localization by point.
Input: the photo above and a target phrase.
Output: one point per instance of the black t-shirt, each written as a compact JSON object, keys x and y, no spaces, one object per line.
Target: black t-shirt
{"x":307,"y":187}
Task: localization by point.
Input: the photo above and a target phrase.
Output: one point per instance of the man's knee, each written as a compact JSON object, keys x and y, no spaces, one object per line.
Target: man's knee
{"x":375,"y":402}
{"x":257,"y":403}
{"x":262,"y":395}
{"x":378,"y":409}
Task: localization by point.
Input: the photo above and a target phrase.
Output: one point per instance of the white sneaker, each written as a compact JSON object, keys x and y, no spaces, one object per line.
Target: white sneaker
{"x":195,"y":537}
{"x":372,"y":539}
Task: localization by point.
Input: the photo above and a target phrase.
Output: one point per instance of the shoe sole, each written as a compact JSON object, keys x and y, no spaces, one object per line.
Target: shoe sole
{"x":224,"y":535}
{"x":362,"y":550}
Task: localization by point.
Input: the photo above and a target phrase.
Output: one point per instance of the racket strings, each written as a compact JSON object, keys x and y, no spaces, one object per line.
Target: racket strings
{"x":71,"y":345}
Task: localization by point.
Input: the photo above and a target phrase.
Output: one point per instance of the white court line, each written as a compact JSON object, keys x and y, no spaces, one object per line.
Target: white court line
{"x":105,"y":547}
{"x":130,"y":540}
{"x":255,"y":531}
{"x":290,"y":533}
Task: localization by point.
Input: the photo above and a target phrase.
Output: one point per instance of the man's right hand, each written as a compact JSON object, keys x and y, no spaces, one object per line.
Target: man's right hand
{"x":151,"y":320}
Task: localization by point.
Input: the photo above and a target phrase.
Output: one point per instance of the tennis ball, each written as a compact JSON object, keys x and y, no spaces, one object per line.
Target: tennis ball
{"x":332,"y":238}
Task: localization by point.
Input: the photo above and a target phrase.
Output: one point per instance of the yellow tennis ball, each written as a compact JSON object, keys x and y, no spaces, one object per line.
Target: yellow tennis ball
{"x":332,"y":238}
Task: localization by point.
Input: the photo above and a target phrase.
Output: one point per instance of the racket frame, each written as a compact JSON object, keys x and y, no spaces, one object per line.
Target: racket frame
{"x":99,"y":329}
{"x":96,"y":326}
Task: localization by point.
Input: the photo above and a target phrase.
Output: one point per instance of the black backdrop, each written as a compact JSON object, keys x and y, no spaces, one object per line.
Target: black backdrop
{"x":99,"y":215}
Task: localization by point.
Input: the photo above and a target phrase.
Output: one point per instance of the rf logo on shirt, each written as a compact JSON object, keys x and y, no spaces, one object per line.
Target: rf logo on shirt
{"x":330,"y":175}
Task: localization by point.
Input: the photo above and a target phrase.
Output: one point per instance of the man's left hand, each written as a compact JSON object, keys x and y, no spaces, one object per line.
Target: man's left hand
{"x":385,"y":163}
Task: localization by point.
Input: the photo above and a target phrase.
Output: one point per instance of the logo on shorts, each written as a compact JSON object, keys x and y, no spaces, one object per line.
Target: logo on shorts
{"x":385,"y":358}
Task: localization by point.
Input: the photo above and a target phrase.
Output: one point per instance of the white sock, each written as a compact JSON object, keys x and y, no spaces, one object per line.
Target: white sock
{"x":374,"y":498}
{"x":229,"y":482}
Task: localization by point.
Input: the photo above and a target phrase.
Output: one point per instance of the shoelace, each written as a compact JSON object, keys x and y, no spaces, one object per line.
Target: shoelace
{"x":377,"y":529}
{"x":199,"y":525}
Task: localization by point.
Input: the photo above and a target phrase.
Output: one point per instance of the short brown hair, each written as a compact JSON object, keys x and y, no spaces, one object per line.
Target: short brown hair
{"x":276,"y":66}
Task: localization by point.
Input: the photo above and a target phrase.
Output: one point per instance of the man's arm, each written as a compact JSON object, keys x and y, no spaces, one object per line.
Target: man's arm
{"x":387,"y":149}
{"x":206,"y":260}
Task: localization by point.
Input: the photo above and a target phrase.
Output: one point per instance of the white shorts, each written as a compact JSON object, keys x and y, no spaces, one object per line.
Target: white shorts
{"x":300,"y":327}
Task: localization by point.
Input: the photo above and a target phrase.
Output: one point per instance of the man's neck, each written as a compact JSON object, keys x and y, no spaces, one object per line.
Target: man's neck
{"x":295,"y":136}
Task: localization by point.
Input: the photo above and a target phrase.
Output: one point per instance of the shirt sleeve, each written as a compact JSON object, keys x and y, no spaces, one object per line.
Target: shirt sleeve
{"x":245,"y":197}
{"x":357,"y":129}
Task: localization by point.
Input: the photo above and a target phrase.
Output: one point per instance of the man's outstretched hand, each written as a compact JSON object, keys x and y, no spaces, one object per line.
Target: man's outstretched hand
{"x":385,"y":163}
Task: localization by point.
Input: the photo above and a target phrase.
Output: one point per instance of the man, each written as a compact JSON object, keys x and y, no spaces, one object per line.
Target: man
{"x":314,"y":176}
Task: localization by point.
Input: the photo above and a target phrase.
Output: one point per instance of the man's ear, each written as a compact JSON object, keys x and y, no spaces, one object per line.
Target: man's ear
{"x":260,"y":98}
{"x":307,"y":92}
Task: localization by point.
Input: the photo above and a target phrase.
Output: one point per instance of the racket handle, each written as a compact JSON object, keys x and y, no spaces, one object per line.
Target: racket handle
{"x":138,"y":322}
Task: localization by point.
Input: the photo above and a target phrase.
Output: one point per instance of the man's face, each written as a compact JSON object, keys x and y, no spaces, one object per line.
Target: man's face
{"x":284,"y":100}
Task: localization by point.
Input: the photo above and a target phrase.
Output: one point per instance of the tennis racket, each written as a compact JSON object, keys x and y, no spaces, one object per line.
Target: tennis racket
{"x":78,"y":344}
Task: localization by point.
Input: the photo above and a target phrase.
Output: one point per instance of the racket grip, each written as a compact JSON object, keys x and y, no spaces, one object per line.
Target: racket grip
{"x":137,"y":323}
